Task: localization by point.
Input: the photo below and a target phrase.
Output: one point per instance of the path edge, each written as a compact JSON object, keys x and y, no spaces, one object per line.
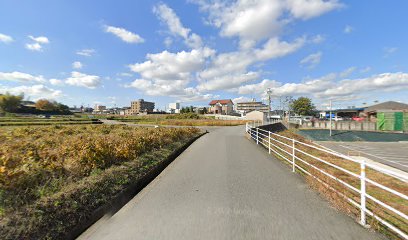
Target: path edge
{"x":129,"y":193}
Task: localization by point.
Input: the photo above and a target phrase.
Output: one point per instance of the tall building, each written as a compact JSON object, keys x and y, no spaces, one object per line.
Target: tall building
{"x":140,"y":106}
{"x":245,"y":107}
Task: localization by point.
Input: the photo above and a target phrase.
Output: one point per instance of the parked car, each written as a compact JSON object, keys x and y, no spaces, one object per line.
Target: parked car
{"x":307,"y":118}
{"x":337,"y":119}
{"x":358,"y":119}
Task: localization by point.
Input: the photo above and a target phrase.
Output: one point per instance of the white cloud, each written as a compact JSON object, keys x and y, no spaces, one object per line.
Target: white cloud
{"x":124,"y":34}
{"x":56,"y":82}
{"x":86,"y":52}
{"x":306,"y":9}
{"x":20,"y":77}
{"x":348,"y":29}
{"x":312,"y":86}
{"x":41,"y":39}
{"x":258,"y":88}
{"x":77,"y":65}
{"x":377,"y":83}
{"x":253,"y":21}
{"x":227,"y":81}
{"x":332,"y":86}
{"x":35,"y":91}
{"x":241,"y":99}
{"x":236,"y":63}
{"x":83,"y":80}
{"x":34,"y":47}
{"x":312,"y":60}
{"x":169,"y":17}
{"x":172,"y":66}
{"x":168,"y":73}
{"x":37,"y":44}
{"x":258,"y":25}
{"x":5,"y":38}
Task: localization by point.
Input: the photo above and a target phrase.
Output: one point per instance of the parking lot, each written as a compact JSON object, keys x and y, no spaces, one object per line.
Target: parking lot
{"x":383,"y":147}
{"x":394,"y":154}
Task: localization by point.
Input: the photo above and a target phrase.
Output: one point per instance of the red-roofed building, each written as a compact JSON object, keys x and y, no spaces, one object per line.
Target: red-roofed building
{"x":223,"y":107}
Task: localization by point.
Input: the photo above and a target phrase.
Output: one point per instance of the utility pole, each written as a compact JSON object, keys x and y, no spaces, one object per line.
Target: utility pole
{"x":269,"y":91}
{"x":330,"y":118}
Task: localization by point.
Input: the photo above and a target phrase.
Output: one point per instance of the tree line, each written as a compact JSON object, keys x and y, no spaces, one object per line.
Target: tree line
{"x":13,"y":104}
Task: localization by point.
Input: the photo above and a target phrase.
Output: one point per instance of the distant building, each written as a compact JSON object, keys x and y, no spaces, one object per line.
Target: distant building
{"x":174,"y":108}
{"x":223,"y":107}
{"x":256,"y":116}
{"x":390,"y":106}
{"x":86,"y":109}
{"x":346,"y":113}
{"x":141,"y":106}
{"x":387,"y":106}
{"x":124,"y":110}
{"x":29,"y":105}
{"x":245,"y":107}
{"x":174,"y":105}
{"x":99,"y":108}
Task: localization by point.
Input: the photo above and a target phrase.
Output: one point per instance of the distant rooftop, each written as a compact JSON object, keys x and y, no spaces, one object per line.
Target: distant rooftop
{"x":223,"y":101}
{"x":390,"y":105}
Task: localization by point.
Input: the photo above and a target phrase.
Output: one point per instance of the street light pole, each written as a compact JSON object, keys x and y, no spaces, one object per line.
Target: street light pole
{"x":330,"y":118}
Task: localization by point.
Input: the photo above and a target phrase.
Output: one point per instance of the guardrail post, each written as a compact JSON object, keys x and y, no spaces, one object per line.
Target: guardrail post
{"x":257,"y":141}
{"x":363,"y":193}
{"x":293,"y":155}
{"x":269,"y":142}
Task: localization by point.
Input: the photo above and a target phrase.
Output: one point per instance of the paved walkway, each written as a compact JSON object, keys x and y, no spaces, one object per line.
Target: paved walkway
{"x":226,"y":187}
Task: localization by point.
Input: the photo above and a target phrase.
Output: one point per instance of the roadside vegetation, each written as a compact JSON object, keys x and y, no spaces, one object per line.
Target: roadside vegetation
{"x":182,"y":119}
{"x":14,"y":104}
{"x":336,"y":199}
{"x":53,"y":177}
{"x":12,"y":120}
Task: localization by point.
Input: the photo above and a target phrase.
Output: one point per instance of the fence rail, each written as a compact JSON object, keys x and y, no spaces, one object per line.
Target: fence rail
{"x":290,"y":150}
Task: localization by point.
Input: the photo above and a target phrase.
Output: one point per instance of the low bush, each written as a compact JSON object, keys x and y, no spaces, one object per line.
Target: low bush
{"x":52,"y":177}
{"x":183,"y":116}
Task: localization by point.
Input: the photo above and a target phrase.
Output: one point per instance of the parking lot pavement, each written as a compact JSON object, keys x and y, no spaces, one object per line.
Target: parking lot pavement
{"x":394,"y":154}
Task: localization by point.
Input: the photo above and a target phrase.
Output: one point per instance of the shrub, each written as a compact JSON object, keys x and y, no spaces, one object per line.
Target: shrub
{"x":38,"y":161}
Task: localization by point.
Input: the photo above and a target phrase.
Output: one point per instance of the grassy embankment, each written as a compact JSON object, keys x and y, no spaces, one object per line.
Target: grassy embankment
{"x":184,"y":119}
{"x":55,"y":120}
{"x":54,"y":177}
{"x":336,"y":199}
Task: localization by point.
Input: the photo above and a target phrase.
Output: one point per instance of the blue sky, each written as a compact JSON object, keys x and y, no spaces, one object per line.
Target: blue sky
{"x":112,"y":52}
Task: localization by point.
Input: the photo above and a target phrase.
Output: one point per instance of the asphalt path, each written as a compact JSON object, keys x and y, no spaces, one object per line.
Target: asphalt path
{"x":226,"y":187}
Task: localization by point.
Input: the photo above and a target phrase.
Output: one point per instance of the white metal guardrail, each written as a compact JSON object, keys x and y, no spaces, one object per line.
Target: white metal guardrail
{"x":274,"y":143}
